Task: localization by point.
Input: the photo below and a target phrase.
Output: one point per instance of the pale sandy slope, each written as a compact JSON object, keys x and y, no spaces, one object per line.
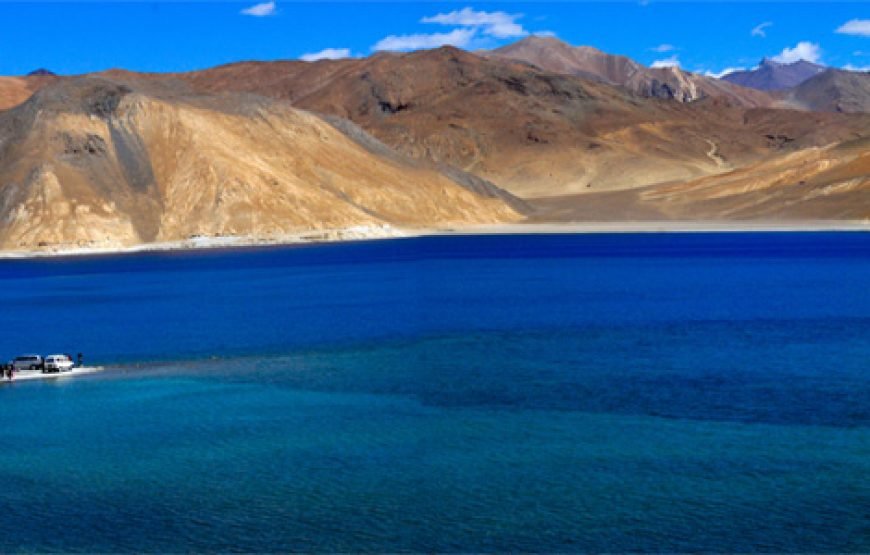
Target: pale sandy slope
{"x":825,"y":183}
{"x":94,"y":163}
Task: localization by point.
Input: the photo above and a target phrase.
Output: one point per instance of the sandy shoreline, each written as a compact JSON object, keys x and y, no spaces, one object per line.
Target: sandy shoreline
{"x":658,"y":227}
{"x":359,"y":233}
{"x":367,"y":233}
{"x":31,"y":375}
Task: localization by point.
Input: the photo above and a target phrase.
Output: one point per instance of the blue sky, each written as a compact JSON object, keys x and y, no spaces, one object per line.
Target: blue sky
{"x":79,"y":37}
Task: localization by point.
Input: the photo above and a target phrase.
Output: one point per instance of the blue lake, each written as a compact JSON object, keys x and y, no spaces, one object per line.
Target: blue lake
{"x":614,"y":392}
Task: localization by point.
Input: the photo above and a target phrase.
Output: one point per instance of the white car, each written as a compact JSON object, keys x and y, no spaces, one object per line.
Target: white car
{"x":58,"y":363}
{"x":27,"y":362}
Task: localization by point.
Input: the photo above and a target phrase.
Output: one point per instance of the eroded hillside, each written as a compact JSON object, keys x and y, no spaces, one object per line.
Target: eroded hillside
{"x":96,"y":162}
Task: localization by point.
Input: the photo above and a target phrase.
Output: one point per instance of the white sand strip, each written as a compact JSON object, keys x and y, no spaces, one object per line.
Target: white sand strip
{"x":707,"y":226}
{"x":28,"y":375}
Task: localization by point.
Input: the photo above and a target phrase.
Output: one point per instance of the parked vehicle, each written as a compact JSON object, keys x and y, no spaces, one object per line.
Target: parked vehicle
{"x":28,"y":362}
{"x":58,"y":363}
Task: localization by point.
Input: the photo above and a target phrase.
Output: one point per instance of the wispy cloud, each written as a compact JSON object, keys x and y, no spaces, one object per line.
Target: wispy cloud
{"x":803,"y":50}
{"x":501,"y":25}
{"x":858,"y":27}
{"x":759,"y":30}
{"x":326,"y":54}
{"x":261,"y":10}
{"x":662,"y":48}
{"x":546,"y":34}
{"x":850,"y":67}
{"x":672,"y":61}
{"x":458,"y":37}
{"x":724,"y":72}
{"x":472,"y":27}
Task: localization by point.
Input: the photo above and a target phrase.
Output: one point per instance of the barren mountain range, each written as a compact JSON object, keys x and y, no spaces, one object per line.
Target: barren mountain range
{"x":529,"y":130}
{"x":437,"y":138}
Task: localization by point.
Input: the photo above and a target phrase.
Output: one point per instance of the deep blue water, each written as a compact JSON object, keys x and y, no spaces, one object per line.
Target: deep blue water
{"x":638,"y":392}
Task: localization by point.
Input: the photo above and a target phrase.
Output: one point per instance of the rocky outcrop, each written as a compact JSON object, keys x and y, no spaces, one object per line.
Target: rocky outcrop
{"x":670,"y":83}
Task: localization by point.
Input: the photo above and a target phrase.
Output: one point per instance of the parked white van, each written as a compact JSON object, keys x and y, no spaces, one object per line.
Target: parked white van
{"x":58,"y":363}
{"x":27,"y":362}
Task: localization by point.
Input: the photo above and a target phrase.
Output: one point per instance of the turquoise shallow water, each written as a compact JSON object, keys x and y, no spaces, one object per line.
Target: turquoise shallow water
{"x":592,"y":393}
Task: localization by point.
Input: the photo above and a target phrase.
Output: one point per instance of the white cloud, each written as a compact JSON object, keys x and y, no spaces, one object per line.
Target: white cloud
{"x":724,"y":72}
{"x":667,"y":62}
{"x":664,"y":48}
{"x":261,"y":10}
{"x":500,"y":25}
{"x":546,"y":34}
{"x":457,"y":37}
{"x":850,"y":67}
{"x":477,"y":27}
{"x":758,"y":30}
{"x":326,"y":54}
{"x":858,"y":27}
{"x":803,"y":50}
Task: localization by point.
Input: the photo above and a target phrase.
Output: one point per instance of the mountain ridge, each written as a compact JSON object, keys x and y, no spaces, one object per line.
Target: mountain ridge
{"x":528,"y":130}
{"x":771,"y":75}
{"x":552,"y":54}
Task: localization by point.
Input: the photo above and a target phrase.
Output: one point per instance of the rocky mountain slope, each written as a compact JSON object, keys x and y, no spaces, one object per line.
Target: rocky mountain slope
{"x":833,"y":90}
{"x":554,"y":55}
{"x":97,"y":162}
{"x":773,"y":76}
{"x":531,"y":131}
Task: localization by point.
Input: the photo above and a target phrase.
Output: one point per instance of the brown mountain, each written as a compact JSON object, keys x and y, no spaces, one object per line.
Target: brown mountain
{"x":531,"y":131}
{"x":557,"y":56}
{"x":560,"y":57}
{"x":833,"y":90}
{"x":103,"y":162}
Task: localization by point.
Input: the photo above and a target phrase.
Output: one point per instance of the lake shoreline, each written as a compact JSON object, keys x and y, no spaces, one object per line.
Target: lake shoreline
{"x":38,"y":375}
{"x":371,"y":233}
